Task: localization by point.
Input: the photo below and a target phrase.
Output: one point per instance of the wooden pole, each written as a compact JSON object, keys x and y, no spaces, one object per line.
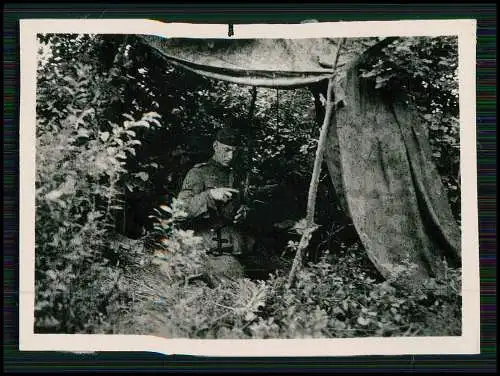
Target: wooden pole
{"x":320,"y":151}
{"x":306,"y":226}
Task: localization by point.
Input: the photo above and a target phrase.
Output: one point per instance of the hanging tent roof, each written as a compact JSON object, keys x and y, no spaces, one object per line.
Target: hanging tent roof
{"x":272,"y":63}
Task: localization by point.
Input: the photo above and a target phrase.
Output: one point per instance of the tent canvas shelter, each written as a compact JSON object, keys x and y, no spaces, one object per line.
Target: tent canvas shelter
{"x":377,"y":152}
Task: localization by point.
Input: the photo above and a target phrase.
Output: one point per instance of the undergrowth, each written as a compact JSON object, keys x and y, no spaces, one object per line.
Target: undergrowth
{"x":336,"y":297}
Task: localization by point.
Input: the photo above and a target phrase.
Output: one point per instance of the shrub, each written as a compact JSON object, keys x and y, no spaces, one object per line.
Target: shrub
{"x":80,"y":158}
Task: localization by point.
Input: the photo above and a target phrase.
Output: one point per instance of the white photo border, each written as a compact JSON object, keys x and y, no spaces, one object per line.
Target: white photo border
{"x":467,"y":343}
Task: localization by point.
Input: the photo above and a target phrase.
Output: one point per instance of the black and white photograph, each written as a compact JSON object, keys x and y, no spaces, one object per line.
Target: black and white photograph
{"x":250,"y":188}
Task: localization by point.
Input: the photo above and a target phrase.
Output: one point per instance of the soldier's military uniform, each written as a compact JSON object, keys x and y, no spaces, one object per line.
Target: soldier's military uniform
{"x":213,"y":220}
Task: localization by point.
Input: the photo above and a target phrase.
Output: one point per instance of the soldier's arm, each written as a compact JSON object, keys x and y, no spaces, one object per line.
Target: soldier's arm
{"x":196,"y":200}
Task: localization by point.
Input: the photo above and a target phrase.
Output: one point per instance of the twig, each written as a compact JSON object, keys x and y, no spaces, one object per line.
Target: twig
{"x":224,"y":315}
{"x":416,"y":332}
{"x":408,"y":331}
{"x":223,"y":306}
{"x":307,"y":230}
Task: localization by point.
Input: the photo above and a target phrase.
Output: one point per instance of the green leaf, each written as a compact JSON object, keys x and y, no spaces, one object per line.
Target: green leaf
{"x":345,"y":305}
{"x":156,"y":122}
{"x":82,"y":132}
{"x":362,"y":321}
{"x":51,"y":274}
{"x":104,"y":136}
{"x":142,"y":175}
{"x":141,"y":123}
{"x":368,"y":74}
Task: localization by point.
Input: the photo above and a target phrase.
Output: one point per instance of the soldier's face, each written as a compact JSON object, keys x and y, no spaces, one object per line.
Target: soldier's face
{"x":224,"y":154}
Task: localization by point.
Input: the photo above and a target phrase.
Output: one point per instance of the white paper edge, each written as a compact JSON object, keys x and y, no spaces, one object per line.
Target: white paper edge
{"x":468,"y":343}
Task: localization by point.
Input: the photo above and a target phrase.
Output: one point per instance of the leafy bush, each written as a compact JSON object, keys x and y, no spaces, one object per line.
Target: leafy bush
{"x":80,"y":159}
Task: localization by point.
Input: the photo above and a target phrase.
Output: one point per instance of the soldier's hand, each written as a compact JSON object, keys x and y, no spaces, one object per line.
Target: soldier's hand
{"x":222,"y":194}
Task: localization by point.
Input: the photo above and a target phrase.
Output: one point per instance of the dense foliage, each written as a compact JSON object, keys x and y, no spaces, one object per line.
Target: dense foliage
{"x":80,"y":155}
{"x":117,"y":129}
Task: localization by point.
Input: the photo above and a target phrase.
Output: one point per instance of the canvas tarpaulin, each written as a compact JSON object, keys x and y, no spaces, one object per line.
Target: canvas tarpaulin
{"x":275,"y":63}
{"x":377,"y":153}
{"x":393,"y":190}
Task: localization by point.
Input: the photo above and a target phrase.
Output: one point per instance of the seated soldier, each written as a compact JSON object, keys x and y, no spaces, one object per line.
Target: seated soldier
{"x":213,"y":205}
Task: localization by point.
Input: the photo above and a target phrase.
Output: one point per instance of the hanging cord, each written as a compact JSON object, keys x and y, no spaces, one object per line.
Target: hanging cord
{"x":251,"y":111}
{"x":252,"y":103}
{"x":277,"y":111}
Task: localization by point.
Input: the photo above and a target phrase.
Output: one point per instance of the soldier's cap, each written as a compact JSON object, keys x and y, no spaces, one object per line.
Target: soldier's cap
{"x":229,"y":136}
